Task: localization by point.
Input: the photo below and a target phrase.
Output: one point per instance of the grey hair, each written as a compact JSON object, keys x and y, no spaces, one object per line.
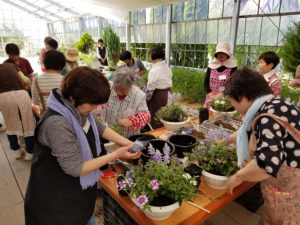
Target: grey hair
{"x":123,"y":78}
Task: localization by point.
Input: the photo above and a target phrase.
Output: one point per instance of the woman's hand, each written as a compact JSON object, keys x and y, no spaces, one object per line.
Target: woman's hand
{"x":232,"y":183}
{"x":125,"y":153}
{"x":125,"y":122}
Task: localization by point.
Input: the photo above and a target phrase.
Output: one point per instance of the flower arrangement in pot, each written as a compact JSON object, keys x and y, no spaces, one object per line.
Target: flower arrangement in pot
{"x":172,"y":116}
{"x":160,"y":146}
{"x":160,"y":186}
{"x":217,"y":160}
{"x":222,"y":106}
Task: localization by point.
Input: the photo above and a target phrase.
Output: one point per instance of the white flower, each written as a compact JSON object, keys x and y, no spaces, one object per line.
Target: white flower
{"x":222,"y":102}
{"x":217,"y":101}
{"x":187,"y":176}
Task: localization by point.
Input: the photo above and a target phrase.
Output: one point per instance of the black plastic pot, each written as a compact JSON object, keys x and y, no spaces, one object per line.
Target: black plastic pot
{"x":144,"y":137}
{"x":194,"y":171}
{"x":183,"y":143}
{"x":157,"y":144}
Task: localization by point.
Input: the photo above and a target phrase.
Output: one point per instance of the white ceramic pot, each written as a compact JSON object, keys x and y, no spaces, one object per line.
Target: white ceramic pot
{"x":215,"y":181}
{"x":174,"y":125}
{"x":219,"y":113}
{"x":161,"y":212}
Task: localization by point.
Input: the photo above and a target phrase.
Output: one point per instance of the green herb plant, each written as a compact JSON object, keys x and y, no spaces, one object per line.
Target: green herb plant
{"x":171,"y":113}
{"x":115,"y":127}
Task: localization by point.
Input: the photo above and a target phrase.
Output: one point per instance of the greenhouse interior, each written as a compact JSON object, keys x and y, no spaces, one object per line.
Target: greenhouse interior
{"x":149,"y":112}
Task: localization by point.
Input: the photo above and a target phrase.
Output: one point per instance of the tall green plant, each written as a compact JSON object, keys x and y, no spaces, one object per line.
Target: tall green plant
{"x":290,"y":52}
{"x":289,"y":92}
{"x":85,"y":43}
{"x":112,"y":42}
{"x":189,"y":83}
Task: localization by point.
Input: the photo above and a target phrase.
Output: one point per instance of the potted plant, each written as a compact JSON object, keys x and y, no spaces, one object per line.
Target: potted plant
{"x":112,"y":42}
{"x":217,"y":160}
{"x":159,"y":145}
{"x":160,"y":186}
{"x":172,"y":116}
{"x":222,"y":106}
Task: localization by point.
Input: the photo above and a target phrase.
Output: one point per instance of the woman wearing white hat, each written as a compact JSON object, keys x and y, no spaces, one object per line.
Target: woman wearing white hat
{"x":218,"y":72}
{"x":72,"y":56}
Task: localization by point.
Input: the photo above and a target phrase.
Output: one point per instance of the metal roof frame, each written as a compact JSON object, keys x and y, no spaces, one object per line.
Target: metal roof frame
{"x":42,"y":12}
{"x":27,"y":10}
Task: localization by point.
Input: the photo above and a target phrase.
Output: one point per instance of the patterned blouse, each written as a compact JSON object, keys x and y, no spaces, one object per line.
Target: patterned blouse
{"x":133,"y":106}
{"x":276,"y":147}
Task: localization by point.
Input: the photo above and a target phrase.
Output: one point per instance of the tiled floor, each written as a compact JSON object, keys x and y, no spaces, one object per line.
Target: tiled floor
{"x":14,"y":176}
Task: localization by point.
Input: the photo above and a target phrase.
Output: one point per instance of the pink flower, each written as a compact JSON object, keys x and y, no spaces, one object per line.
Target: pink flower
{"x":142,"y":200}
{"x":155,"y":184}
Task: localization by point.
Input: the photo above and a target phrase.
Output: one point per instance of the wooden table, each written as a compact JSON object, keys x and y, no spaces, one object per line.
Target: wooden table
{"x":187,"y":214}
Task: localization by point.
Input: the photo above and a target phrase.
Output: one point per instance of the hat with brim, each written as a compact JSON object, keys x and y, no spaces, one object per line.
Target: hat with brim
{"x":72,"y":54}
{"x":296,"y":81}
{"x":223,"y":47}
{"x":229,"y":63}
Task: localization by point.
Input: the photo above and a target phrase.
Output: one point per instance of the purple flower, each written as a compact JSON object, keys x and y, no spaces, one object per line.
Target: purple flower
{"x":167,"y":159}
{"x":121,"y":185}
{"x":180,"y":116}
{"x":145,"y":89}
{"x":129,"y":182}
{"x":157,"y":156}
{"x":166,"y":149}
{"x":151,"y":150}
{"x":178,"y":95}
{"x":226,"y":137}
{"x":142,"y":200}
{"x":196,"y":152}
{"x":155,"y":184}
{"x":219,"y":160}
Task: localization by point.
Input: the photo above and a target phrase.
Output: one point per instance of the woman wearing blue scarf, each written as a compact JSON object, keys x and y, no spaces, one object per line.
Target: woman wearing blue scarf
{"x":68,"y":155}
{"x":276,"y":160}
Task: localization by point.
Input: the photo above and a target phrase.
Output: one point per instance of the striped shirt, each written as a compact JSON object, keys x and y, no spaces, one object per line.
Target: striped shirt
{"x":47,"y":82}
{"x":130,"y":107}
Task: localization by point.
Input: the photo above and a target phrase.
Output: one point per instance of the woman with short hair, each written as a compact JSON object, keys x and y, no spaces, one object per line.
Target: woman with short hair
{"x":15,"y":105}
{"x":13,"y":51}
{"x":127,"y":104}
{"x":159,"y":83}
{"x":276,"y":162}
{"x":68,"y":154}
